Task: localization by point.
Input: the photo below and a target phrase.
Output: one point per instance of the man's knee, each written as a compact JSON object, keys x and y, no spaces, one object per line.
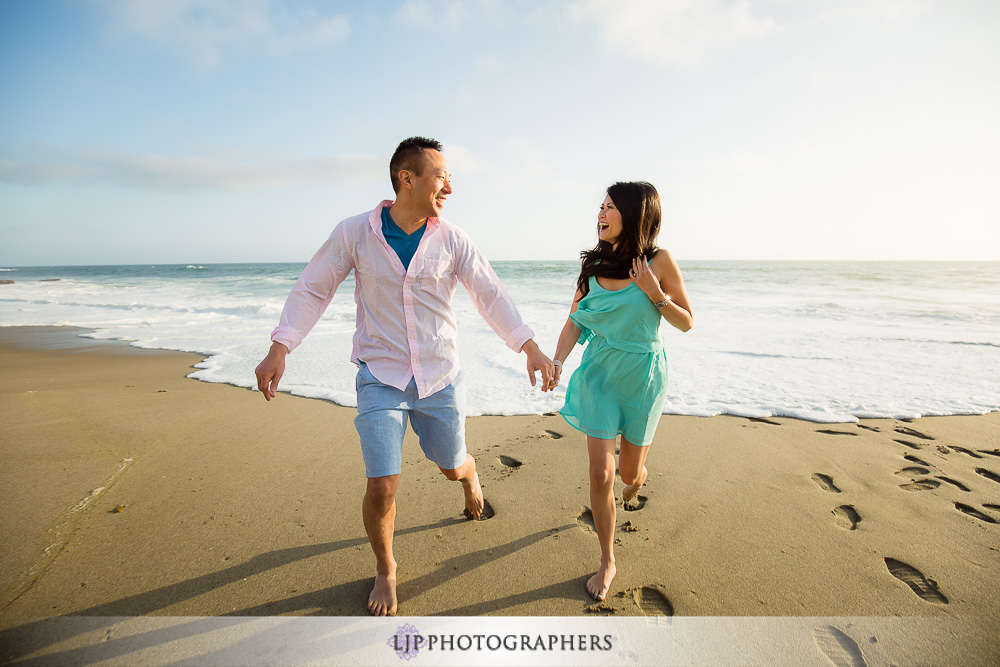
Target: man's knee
{"x":382,"y":490}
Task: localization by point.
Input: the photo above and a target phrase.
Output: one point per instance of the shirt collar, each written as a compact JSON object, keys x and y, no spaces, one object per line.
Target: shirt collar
{"x":375,"y":219}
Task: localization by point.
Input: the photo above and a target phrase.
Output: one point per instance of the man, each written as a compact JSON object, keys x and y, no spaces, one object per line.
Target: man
{"x":406,"y":262}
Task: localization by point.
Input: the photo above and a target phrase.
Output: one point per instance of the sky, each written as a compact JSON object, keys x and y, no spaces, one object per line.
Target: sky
{"x":245,"y":130}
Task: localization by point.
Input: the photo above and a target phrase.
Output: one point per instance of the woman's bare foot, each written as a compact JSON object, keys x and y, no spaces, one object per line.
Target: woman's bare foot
{"x":630,"y":492}
{"x":599,"y":584}
{"x":382,"y":601}
{"x":473,"y":497}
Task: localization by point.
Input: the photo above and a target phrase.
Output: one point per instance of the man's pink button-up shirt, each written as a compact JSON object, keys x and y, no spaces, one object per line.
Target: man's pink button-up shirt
{"x":405,"y":325}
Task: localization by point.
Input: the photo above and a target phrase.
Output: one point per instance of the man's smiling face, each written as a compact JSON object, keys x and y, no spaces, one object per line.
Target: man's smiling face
{"x":433,"y":185}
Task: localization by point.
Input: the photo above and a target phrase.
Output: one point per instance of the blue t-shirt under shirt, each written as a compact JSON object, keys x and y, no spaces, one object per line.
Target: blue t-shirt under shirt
{"x":405,"y":245}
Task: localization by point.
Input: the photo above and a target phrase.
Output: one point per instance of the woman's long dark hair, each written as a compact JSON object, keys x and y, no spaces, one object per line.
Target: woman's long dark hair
{"x":639,"y":205}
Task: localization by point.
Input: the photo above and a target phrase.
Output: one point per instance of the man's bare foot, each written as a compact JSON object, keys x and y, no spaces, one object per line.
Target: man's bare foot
{"x":630,"y":492}
{"x":382,"y":601}
{"x":473,"y":497}
{"x":599,"y":584}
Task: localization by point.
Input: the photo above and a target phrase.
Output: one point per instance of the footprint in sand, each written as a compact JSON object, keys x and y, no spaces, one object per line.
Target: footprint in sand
{"x":555,"y":435}
{"x":602,"y":608}
{"x":926,"y":588}
{"x":841,"y":650}
{"x":873,"y":429}
{"x":912,"y":432}
{"x":825,"y":482}
{"x":487,"y":513}
{"x":921,"y":485}
{"x":548,"y":414}
{"x":973,"y":512}
{"x":957,"y":485}
{"x":652,"y":601}
{"x":586,"y":520}
{"x":847,"y":517}
{"x":907,"y":443}
{"x":831,"y":432}
{"x":913,"y":459}
{"x":966,"y":451}
{"x":989,"y":474}
{"x":913,"y":471}
{"x":635,"y":504}
{"x":510,"y":462}
{"x":991,"y":452}
{"x":761,"y":420}
{"x":992,"y":506}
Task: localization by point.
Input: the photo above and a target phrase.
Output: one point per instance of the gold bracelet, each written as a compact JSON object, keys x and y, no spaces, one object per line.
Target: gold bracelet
{"x":661,"y":304}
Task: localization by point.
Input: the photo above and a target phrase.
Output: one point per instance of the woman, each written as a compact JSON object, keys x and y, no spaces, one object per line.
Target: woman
{"x":626,"y":288}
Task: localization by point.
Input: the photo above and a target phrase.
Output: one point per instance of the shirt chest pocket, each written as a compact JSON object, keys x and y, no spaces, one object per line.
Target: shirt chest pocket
{"x":435,"y":275}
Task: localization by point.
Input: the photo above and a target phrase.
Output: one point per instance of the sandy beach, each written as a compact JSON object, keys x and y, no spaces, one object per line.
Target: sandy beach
{"x":132,"y":490}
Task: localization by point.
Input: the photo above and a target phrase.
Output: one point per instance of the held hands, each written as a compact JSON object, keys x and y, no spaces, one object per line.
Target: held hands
{"x":270,"y":370}
{"x":538,"y":362}
{"x":646,"y":279}
{"x":554,"y":382}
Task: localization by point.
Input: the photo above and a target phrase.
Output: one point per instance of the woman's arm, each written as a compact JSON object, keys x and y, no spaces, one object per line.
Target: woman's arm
{"x":567,"y":339}
{"x":662,"y":282}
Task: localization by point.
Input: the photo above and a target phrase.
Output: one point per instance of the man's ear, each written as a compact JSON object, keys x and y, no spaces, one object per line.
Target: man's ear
{"x":405,"y":177}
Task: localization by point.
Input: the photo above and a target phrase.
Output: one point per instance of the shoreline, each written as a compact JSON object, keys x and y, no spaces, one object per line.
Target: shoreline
{"x":70,"y":338}
{"x":234,"y":506}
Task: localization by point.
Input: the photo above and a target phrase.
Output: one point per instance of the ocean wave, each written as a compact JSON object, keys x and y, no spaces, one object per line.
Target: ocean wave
{"x":933,"y":341}
{"x":766,"y":355}
{"x":253,"y":309}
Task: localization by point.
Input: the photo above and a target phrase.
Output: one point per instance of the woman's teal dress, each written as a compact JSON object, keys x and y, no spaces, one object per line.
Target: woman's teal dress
{"x":621,"y":383}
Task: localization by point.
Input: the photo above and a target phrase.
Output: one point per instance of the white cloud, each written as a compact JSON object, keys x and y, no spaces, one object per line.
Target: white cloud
{"x":166,"y":173}
{"x":462,"y":161}
{"x":447,"y":15}
{"x":675,"y":33}
{"x":490,"y":64}
{"x":206,"y":30}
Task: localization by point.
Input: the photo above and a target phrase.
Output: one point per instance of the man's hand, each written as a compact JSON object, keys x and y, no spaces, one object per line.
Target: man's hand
{"x":538,"y":362}
{"x":270,"y":370}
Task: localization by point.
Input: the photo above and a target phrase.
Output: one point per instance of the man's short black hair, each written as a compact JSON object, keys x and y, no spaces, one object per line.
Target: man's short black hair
{"x":409,"y":155}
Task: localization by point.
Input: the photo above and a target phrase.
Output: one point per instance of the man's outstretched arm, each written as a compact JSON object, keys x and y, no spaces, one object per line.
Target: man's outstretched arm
{"x":497,"y":308}
{"x":309,"y":297}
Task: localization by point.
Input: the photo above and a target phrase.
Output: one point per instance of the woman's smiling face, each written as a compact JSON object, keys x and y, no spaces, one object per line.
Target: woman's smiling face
{"x":609,"y":222}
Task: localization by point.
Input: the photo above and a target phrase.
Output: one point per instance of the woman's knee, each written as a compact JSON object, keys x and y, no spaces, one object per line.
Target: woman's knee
{"x":627,"y":477}
{"x":601,"y":476}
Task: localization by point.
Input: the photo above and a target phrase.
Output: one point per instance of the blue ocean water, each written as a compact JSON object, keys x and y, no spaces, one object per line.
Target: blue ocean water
{"x":823,"y":341}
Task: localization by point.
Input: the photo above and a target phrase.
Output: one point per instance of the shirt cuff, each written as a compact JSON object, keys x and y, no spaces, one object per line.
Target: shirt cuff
{"x":287,"y":336}
{"x":518,"y":337}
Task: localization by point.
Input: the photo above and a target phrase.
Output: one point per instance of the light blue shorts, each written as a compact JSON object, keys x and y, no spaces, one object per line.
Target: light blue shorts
{"x":438,"y":420}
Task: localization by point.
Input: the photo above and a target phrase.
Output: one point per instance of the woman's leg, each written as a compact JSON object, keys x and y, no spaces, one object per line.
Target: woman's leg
{"x":602,"y":504}
{"x":632,"y":466}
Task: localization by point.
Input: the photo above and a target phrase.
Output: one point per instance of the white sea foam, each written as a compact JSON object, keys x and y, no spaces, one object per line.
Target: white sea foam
{"x":824,"y":342}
